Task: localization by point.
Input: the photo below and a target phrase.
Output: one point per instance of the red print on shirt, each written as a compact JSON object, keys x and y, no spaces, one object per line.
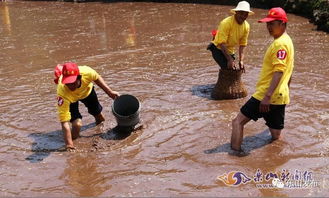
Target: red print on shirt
{"x":281,"y":54}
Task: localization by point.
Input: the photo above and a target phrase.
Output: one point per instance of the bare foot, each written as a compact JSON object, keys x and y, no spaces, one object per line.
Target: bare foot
{"x":238,"y":153}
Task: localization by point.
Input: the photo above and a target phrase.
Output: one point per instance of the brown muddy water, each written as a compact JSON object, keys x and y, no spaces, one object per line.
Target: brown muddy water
{"x":156,"y":52}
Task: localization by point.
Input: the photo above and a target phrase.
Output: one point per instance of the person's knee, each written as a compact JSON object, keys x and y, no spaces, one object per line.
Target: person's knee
{"x":77,"y":124}
{"x":239,"y":120}
{"x":235,"y":121}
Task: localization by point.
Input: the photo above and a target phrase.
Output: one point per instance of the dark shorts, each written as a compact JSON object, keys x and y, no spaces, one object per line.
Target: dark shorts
{"x":219,"y":57}
{"x":91,"y":102}
{"x":274,"y":118}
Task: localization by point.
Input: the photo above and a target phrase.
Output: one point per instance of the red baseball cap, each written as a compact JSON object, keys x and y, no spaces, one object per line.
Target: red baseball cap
{"x":70,"y":72}
{"x":275,"y":14}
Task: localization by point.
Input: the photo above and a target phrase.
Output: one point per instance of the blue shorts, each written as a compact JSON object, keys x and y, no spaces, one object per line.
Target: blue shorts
{"x":274,"y":118}
{"x":92,"y":104}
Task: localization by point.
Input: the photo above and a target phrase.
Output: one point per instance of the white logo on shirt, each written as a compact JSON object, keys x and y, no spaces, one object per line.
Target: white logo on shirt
{"x":60,"y":101}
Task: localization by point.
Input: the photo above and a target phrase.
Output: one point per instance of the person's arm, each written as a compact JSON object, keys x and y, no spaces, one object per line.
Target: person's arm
{"x":241,"y":58}
{"x":101,"y":83}
{"x":243,"y":42}
{"x":67,"y":135}
{"x":230,"y":61}
{"x":265,"y":103}
{"x":63,"y":109}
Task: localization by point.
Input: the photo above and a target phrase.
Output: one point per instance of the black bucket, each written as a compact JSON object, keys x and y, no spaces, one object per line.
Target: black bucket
{"x":126,"y":109}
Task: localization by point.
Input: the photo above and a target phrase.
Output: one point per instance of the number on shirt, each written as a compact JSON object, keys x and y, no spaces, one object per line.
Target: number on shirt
{"x":282,"y":54}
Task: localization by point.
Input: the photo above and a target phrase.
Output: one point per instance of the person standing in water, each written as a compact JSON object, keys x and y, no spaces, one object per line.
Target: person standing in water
{"x":233,"y":31}
{"x":75,"y":83}
{"x":272,"y":89}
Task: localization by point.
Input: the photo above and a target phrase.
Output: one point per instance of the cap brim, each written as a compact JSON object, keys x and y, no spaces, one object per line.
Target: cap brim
{"x":69,"y":79}
{"x":250,"y":12}
{"x":265,"y":20}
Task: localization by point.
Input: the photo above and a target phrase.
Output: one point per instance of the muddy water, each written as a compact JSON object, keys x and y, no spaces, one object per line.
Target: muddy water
{"x":157,"y":53}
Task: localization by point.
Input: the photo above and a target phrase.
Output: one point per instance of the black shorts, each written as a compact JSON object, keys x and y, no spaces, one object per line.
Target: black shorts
{"x":91,"y":102}
{"x":219,"y":57}
{"x":274,"y":118}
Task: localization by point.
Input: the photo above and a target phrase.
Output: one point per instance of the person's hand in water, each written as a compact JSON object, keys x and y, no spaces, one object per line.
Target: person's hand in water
{"x":241,"y":66}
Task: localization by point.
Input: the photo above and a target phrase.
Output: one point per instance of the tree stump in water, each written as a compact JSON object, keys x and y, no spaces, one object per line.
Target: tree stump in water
{"x":229,"y":85}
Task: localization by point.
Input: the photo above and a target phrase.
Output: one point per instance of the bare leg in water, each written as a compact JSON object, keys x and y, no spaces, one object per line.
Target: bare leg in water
{"x":99,"y":118}
{"x":76,"y":127}
{"x":237,"y":131}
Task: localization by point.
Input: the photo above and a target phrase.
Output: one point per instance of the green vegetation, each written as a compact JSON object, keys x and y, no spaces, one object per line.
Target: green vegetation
{"x":316,"y":10}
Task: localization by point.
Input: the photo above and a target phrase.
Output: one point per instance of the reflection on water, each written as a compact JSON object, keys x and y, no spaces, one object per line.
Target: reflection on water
{"x":6,"y":17}
{"x":82,"y":177}
{"x":156,"y":52}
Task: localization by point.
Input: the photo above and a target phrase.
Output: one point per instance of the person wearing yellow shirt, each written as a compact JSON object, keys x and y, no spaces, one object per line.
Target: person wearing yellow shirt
{"x":233,"y":31}
{"x":272,"y":89}
{"x":75,"y":83}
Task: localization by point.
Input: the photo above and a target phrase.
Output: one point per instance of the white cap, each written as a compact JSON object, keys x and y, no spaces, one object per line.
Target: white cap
{"x":243,"y":6}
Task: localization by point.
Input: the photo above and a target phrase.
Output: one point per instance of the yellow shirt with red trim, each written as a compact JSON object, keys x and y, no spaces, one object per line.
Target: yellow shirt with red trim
{"x":232,"y":34}
{"x":65,"y":96}
{"x":279,"y":57}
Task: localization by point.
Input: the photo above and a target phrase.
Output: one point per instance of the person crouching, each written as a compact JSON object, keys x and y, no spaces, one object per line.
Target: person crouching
{"x":75,"y":83}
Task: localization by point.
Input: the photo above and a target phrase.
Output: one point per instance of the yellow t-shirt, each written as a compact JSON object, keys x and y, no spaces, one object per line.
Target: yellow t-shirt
{"x":279,"y":57}
{"x":232,"y":34}
{"x":65,"y":96}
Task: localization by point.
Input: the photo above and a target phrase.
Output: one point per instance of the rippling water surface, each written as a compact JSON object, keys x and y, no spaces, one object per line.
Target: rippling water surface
{"x":157,"y":53}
